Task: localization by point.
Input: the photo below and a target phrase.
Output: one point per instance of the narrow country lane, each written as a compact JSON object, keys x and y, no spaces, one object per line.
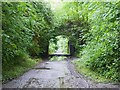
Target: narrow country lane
{"x":54,"y":74}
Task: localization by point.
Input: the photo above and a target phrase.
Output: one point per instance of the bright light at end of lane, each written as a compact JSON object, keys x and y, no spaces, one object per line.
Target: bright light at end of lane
{"x":55,"y":4}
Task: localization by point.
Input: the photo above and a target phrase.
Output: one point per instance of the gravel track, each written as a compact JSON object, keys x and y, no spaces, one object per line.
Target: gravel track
{"x":55,"y":74}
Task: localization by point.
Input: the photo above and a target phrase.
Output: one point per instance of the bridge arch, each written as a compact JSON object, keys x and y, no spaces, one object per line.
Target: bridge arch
{"x":74,"y":31}
{"x":60,"y":46}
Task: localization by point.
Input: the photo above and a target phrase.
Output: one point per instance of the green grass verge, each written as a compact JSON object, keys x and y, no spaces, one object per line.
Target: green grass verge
{"x":92,"y":75}
{"x":10,"y":72}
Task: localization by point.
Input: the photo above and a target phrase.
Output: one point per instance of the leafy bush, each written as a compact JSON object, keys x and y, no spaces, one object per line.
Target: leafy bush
{"x":102,"y":52}
{"x":91,"y":27}
{"x":24,"y":28}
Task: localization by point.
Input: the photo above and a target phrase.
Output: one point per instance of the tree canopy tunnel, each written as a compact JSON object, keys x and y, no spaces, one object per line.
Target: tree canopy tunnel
{"x":74,"y":32}
{"x":92,"y":28}
{"x":71,"y":30}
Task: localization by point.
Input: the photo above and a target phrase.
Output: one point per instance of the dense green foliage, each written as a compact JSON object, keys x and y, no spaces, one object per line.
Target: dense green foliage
{"x":24,"y":27}
{"x":60,"y":47}
{"x":102,"y":49}
{"x":72,"y":21}
{"x":24,"y":34}
{"x":91,"y":27}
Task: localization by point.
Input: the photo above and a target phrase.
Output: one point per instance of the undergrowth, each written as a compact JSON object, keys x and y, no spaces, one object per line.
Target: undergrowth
{"x":10,"y":72}
{"x":90,"y":74}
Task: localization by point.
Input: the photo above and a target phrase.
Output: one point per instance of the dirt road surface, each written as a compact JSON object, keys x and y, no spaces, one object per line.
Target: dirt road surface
{"x":54,"y":74}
